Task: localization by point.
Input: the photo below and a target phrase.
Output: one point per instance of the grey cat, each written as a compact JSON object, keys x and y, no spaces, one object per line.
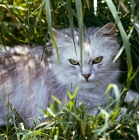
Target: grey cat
{"x":29,"y":82}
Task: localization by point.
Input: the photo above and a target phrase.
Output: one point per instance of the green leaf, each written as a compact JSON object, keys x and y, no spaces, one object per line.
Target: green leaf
{"x":57,"y":100}
{"x":71,"y":20}
{"x":80,"y":24}
{"x":49,"y":21}
{"x":124,"y":38}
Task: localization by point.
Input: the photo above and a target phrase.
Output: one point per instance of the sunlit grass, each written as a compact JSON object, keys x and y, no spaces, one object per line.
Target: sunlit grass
{"x":74,"y":122}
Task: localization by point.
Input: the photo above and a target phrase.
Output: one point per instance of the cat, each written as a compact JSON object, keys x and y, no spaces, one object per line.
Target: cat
{"x":29,"y":76}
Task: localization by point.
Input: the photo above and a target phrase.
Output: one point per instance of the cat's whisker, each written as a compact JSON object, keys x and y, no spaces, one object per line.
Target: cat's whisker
{"x":50,"y":88}
{"x":114,"y":72}
{"x":53,"y":84}
{"x":52,"y":80}
{"x":55,"y":89}
{"x":56,"y":78}
{"x":67,"y":81}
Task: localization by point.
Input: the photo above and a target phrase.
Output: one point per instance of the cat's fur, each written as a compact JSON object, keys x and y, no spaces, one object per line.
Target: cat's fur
{"x":29,"y":82}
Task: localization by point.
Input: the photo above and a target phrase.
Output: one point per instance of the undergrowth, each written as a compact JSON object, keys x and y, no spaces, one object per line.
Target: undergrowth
{"x":71,"y":122}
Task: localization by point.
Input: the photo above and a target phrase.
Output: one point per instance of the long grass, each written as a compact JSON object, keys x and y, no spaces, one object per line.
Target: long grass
{"x":31,"y":22}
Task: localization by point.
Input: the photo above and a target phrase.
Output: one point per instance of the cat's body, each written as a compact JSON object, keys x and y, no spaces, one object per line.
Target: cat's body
{"x":29,"y":82}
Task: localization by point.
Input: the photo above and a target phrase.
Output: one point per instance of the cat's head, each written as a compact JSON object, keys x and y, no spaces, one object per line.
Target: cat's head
{"x":99,"y":49}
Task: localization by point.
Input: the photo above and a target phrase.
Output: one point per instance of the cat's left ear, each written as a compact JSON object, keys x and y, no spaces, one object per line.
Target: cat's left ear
{"x":109,"y":30}
{"x":60,"y":36}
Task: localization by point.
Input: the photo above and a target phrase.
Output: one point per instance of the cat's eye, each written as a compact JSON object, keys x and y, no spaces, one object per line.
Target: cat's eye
{"x":73,"y":62}
{"x":97,"y":60}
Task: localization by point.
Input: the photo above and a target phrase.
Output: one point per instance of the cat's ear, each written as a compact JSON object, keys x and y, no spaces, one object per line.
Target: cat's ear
{"x":61,"y":36}
{"x":109,"y":30}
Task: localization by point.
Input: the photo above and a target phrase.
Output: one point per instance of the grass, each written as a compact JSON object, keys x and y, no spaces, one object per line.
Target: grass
{"x":30,"y":22}
{"x":72,"y":122}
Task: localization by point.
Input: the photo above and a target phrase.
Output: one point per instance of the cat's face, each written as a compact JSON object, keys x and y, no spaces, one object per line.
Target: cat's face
{"x":97,"y":56}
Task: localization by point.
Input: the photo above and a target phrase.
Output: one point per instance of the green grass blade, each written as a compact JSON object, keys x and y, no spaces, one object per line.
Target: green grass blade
{"x":106,"y":124}
{"x":136,"y":72}
{"x":49,"y":22}
{"x":80,"y":24}
{"x":124,"y":38}
{"x":71,"y":20}
{"x":123,"y":47}
{"x":39,"y":13}
{"x":137,"y":27}
{"x":57,"y":100}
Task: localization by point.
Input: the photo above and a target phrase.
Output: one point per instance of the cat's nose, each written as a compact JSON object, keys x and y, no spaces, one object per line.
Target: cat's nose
{"x":86,"y":76}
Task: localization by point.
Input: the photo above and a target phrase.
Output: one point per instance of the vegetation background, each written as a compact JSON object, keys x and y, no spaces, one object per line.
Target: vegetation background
{"x":31,"y":21}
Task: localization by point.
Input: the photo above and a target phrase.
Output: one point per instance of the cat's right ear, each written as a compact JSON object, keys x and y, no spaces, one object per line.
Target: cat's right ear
{"x":60,"y":36}
{"x":109,"y":30}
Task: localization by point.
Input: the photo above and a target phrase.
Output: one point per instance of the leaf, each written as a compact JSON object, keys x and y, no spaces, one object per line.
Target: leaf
{"x":80,"y":24}
{"x":49,"y":21}
{"x":123,"y":47}
{"x":57,"y":100}
{"x":55,"y":107}
{"x":75,"y":92}
{"x":124,"y":38}
{"x":71,"y":20}
{"x":137,"y":26}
